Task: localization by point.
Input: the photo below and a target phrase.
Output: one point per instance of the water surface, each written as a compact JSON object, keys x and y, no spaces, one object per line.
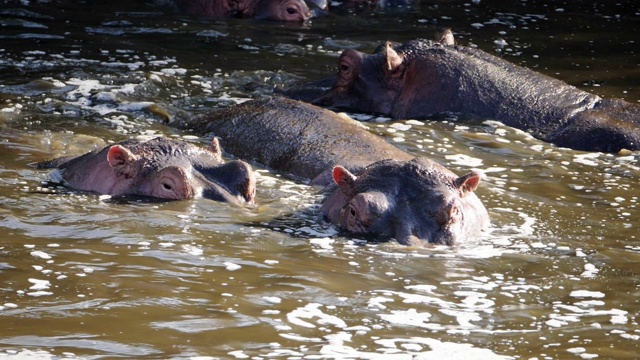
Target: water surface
{"x":87,"y":276}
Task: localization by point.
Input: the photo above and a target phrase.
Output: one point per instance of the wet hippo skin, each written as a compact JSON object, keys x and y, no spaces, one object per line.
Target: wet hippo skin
{"x":161,"y":168}
{"x":422,"y":77}
{"x":373,"y":187}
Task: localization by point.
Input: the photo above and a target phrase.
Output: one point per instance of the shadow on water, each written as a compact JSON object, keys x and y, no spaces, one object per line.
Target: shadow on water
{"x":84,"y":276}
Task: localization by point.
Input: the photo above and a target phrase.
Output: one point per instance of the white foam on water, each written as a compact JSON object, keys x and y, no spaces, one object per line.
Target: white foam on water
{"x":39,"y":284}
{"x":192,"y":250}
{"x":587,"y":159}
{"x":40,"y":255}
{"x":19,"y":354}
{"x":411,"y":317}
{"x":325,"y":243}
{"x":590,"y":271}
{"x":481,"y":251}
{"x":312,"y":311}
{"x":378,"y":302}
{"x":400,"y":126}
{"x":272,"y":299}
{"x":413,"y":348}
{"x":586,"y":294}
{"x":211,"y":33}
{"x":231,"y":266}
{"x":464,"y":160}
{"x":238,"y":354}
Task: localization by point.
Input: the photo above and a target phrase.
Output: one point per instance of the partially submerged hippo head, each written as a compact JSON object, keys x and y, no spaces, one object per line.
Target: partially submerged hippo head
{"x":414,"y":202}
{"x":284,"y":10}
{"x":161,"y":168}
{"x":390,"y":81}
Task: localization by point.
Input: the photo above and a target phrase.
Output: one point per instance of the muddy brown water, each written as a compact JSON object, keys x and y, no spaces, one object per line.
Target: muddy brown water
{"x":85,"y":276}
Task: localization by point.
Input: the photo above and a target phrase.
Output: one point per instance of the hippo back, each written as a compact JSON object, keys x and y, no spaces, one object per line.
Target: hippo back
{"x":294,"y":137}
{"x":471,"y":81}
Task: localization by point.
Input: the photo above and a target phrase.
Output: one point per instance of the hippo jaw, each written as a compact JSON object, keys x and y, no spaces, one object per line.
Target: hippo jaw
{"x":232,"y":182}
{"x":412,"y":202}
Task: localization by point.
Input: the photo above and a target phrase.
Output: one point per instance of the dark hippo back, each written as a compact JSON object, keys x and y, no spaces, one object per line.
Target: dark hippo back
{"x":293,"y":137}
{"x":474,"y":82}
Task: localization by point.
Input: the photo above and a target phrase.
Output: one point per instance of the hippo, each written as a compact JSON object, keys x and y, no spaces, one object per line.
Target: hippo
{"x":422,"y":78}
{"x":373,"y":187}
{"x":160,"y":168}
{"x":285,"y":10}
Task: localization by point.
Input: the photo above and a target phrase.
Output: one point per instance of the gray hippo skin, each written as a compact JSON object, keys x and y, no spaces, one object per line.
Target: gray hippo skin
{"x":422,"y":77}
{"x":284,"y":10}
{"x":160,"y":168}
{"x":374,"y":187}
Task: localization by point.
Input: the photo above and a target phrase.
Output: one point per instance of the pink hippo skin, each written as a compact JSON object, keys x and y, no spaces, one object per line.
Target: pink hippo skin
{"x":161,"y":168}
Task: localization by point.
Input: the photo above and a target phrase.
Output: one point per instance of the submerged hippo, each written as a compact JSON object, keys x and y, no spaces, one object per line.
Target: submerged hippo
{"x":422,"y":77}
{"x":377,"y":188}
{"x":285,"y":10}
{"x":161,"y":168}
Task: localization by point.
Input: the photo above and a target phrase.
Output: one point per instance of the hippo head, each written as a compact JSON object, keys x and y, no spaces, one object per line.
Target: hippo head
{"x":415,"y":202}
{"x":161,"y":168}
{"x":385,"y":82}
{"x":284,"y":10}
{"x":364,"y":82}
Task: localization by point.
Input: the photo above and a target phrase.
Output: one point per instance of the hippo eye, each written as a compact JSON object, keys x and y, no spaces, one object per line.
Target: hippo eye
{"x":344,"y":67}
{"x":167,"y":186}
{"x":352,"y":221}
{"x":292,"y":11}
{"x":449,"y":216}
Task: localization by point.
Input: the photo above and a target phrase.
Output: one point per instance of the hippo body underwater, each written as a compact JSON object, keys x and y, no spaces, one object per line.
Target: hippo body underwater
{"x":421,"y":78}
{"x":374,"y":187}
{"x":159,"y":167}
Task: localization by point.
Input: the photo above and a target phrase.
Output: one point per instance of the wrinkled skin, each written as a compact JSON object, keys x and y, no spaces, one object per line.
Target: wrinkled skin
{"x":422,"y":78}
{"x":284,"y":10}
{"x":414,"y":200}
{"x":161,"y":168}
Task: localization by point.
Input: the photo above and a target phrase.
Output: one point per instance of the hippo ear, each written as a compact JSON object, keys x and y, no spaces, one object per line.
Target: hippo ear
{"x":394,"y":61}
{"x":446,"y":38}
{"x":215,"y":149}
{"x":344,"y":179}
{"x":121,"y":159}
{"x":467,"y":183}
